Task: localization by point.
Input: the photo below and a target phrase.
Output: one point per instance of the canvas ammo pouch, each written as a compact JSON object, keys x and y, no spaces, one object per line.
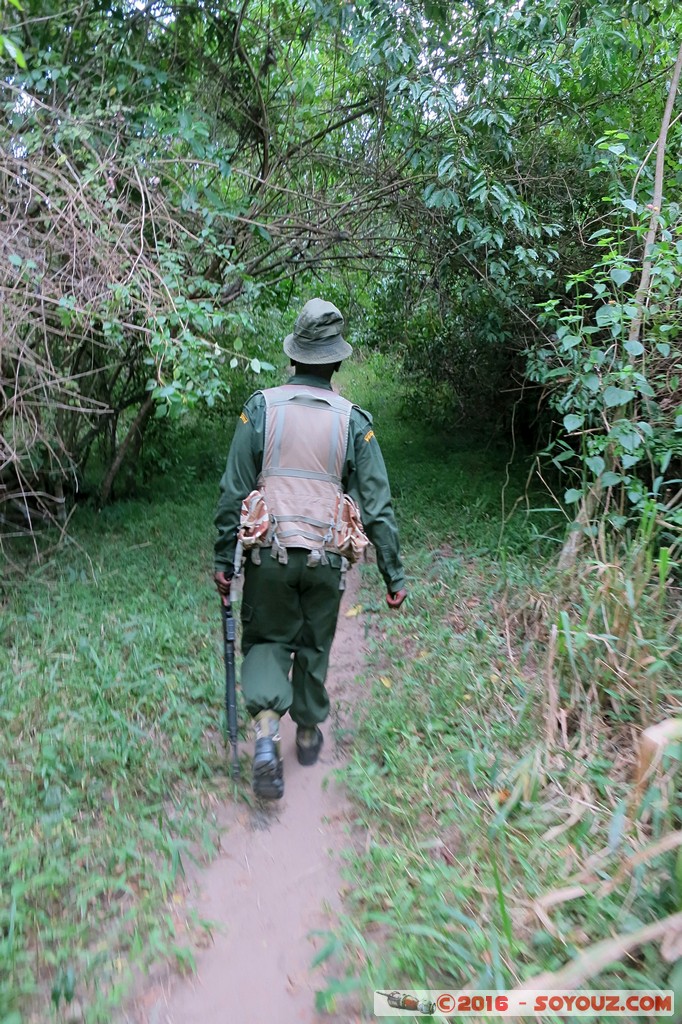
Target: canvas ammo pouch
{"x":300,"y":502}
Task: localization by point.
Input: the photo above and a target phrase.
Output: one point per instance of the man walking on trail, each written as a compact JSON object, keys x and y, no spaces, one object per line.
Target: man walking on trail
{"x":300,"y":458}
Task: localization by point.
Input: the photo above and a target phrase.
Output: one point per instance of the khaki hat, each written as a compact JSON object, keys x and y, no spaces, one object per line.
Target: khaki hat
{"x":317,"y":335}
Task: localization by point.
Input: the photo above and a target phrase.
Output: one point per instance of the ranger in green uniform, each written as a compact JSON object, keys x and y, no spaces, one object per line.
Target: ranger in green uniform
{"x":305,"y":448}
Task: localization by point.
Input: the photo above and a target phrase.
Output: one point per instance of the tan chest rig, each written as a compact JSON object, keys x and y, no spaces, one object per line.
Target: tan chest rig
{"x":299,"y":502}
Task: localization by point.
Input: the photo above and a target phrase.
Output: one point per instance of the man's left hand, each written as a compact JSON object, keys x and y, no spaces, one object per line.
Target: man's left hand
{"x":395,"y":600}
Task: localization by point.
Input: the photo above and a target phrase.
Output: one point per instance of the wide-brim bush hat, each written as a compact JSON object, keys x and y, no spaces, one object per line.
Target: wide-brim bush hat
{"x":317,"y":335}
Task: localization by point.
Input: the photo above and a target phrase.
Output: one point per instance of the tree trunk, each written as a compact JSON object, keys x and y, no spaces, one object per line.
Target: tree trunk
{"x":656,"y":201}
{"x":136,"y":429}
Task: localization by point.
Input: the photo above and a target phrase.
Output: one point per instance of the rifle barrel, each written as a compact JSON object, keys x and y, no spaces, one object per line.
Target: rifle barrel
{"x":230,"y":686}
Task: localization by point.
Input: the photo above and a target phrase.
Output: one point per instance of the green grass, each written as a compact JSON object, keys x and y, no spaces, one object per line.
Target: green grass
{"x":111,"y":709}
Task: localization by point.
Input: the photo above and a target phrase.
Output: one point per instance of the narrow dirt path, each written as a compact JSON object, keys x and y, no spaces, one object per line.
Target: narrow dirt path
{"x":275,"y":883}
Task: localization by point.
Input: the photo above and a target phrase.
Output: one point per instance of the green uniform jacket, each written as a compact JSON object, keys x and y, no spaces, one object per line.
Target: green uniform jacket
{"x":364,"y":478}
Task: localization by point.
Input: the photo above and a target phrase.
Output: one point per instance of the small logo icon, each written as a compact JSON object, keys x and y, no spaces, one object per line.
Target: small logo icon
{"x":406,"y":1001}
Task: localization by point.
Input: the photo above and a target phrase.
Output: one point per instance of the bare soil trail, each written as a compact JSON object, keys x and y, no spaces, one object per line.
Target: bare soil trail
{"x":276,"y":882}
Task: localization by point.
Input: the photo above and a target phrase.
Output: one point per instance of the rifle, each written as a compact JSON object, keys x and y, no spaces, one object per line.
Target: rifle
{"x":230,"y":686}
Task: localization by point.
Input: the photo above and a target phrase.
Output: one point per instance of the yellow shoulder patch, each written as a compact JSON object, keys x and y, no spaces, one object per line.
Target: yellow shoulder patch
{"x":369,"y":435}
{"x":244,"y":418}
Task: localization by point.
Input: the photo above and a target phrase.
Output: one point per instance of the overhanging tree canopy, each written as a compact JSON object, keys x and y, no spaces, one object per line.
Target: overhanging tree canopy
{"x":162,"y":164}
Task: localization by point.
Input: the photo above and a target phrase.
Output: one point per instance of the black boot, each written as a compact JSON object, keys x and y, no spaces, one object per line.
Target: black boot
{"x":309,"y":740}
{"x":268,"y":773}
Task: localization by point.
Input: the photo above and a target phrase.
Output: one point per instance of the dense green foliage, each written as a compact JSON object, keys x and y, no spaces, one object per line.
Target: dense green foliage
{"x":159,"y":166}
{"x":162,"y":165}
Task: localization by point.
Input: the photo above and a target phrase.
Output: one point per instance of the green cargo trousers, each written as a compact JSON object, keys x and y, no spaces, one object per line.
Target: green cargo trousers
{"x":289,"y":611}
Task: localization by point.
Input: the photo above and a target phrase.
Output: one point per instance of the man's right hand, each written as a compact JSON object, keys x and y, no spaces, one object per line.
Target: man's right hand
{"x":395,"y":600}
{"x":223,"y":582}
